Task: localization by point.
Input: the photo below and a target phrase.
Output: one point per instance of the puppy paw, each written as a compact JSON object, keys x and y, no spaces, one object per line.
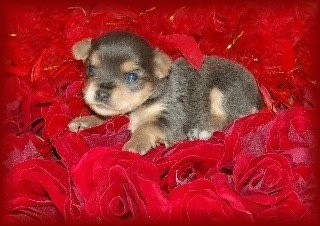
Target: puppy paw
{"x":77,"y":125}
{"x":197,"y":134}
{"x":140,"y":146}
{"x":82,"y":123}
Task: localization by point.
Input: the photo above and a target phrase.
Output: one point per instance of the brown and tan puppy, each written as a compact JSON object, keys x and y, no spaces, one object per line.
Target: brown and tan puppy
{"x":166,"y":100}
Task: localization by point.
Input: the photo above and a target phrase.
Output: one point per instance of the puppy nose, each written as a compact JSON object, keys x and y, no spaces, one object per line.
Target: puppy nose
{"x":101,"y":95}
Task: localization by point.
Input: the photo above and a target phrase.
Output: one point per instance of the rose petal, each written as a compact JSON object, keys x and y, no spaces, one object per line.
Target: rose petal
{"x":40,"y":191}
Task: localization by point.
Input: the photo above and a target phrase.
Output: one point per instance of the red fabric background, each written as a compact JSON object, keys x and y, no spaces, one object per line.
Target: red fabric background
{"x":260,"y":169}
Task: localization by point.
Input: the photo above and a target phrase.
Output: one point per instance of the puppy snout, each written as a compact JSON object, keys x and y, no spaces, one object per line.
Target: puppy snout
{"x":106,"y":85}
{"x":101,"y":96}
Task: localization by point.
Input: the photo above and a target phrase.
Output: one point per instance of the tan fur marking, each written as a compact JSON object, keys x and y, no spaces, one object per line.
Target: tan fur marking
{"x":84,"y":122}
{"x":122,"y":99}
{"x":216,"y":98}
{"x":125,"y":100}
{"x":219,"y":122}
{"x":219,"y":118}
{"x":80,"y":50}
{"x":162,"y":64}
{"x":128,"y":66}
{"x":149,"y":131}
{"x":145,"y":115}
{"x":154,"y":132}
{"x":95,"y":59}
{"x":89,"y":93}
{"x":144,"y":138}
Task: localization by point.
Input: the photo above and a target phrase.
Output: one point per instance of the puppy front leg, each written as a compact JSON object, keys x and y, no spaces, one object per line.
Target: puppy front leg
{"x":85,"y":122}
{"x":144,"y":138}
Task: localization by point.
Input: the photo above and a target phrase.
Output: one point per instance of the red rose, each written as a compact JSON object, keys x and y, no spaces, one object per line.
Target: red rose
{"x":292,"y":128}
{"x":184,"y":163}
{"x":113,"y":132}
{"x":264,"y":180}
{"x":287,"y":211}
{"x":259,"y":185}
{"x":305,"y":184}
{"x":18,"y":112}
{"x":43,"y":92}
{"x":70,"y":147}
{"x":17,"y":149}
{"x":40,"y":191}
{"x":119,"y":187}
{"x":247,"y":134}
{"x":198,"y":202}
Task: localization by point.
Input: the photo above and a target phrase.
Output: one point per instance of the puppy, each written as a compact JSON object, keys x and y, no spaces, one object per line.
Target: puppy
{"x":167,"y":101}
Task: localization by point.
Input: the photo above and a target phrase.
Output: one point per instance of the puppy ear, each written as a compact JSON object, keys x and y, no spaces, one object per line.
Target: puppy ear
{"x":80,"y":50}
{"x":162,"y":63}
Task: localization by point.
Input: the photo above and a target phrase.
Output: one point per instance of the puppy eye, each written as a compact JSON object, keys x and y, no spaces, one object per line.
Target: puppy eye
{"x":131,"y":77}
{"x":90,"y":69}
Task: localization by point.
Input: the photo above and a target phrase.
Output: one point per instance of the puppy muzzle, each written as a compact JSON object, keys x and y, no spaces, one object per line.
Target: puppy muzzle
{"x":102,"y":96}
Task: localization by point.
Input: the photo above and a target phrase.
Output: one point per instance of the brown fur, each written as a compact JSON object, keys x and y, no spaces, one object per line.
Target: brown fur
{"x":128,"y":66}
{"x":162,"y":64}
{"x":144,"y":138}
{"x":84,"y":122}
{"x":124,"y":100}
{"x":145,"y":115}
{"x":81,"y":49}
{"x":216,"y":108}
{"x":95,"y":59}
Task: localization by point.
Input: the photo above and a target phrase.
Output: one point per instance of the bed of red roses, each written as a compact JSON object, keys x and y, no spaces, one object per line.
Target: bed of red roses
{"x":261,"y":168}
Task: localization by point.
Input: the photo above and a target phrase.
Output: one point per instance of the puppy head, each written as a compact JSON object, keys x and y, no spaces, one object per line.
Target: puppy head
{"x":122,"y":71}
